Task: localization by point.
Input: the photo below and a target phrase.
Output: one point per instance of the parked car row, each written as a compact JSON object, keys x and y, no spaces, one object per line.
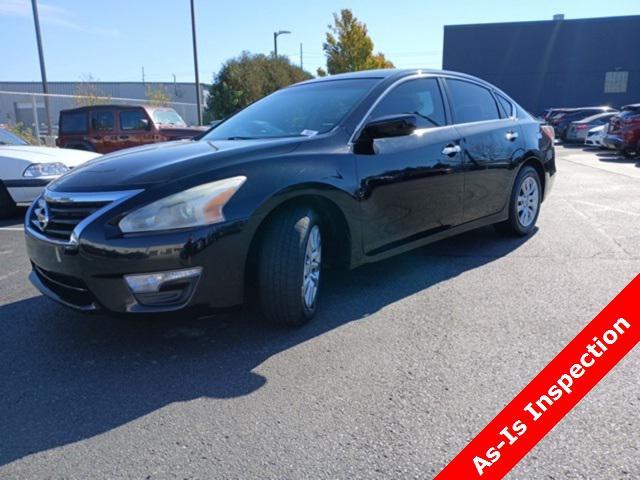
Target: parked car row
{"x":602,"y":127}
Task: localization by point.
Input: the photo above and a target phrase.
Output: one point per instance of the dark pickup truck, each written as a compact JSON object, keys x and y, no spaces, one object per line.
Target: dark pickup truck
{"x":106,"y":128}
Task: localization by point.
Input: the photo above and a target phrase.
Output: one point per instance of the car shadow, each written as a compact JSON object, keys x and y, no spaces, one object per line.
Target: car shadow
{"x":614,"y":157}
{"x":15,"y":220}
{"x":65,"y":377}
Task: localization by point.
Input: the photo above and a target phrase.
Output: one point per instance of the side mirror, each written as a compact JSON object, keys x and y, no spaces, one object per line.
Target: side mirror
{"x":391,"y":126}
{"x":385,"y":127}
{"x":144,"y":122}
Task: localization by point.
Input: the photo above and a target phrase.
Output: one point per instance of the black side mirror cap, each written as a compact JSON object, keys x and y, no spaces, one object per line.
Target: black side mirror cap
{"x":385,"y":127}
{"x":390,"y":126}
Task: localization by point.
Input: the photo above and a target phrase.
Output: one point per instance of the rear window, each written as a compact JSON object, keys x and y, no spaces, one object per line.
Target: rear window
{"x":73,"y":122}
{"x":471,"y":102}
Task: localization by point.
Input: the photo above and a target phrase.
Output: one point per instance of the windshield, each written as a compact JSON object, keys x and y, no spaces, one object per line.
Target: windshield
{"x":303,"y":110}
{"x":168,"y":117}
{"x":8,"y":138}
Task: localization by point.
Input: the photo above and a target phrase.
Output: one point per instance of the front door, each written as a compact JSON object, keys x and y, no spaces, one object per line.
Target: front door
{"x":134,"y":128}
{"x":411,"y":186}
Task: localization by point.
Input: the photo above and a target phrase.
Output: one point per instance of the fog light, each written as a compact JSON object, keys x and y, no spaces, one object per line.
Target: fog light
{"x":151,"y":282}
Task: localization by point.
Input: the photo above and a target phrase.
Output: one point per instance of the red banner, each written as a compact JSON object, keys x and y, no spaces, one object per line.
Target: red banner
{"x":553,"y":392}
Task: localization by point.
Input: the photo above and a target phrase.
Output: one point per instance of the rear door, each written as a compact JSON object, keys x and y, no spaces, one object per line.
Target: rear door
{"x":411,"y":186}
{"x":103,"y":132}
{"x":490,"y":140}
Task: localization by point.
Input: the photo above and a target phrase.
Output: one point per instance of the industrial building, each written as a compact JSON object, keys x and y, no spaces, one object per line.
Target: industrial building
{"x":555,"y":63}
{"x":19,"y":108}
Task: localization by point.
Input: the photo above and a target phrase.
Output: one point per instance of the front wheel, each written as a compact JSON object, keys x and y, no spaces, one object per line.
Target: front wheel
{"x":524,"y":205}
{"x":289,"y":267}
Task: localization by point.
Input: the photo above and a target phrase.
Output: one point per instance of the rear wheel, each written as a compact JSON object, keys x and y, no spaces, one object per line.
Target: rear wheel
{"x":289,"y":267}
{"x":524,"y":205}
{"x":7,"y":205}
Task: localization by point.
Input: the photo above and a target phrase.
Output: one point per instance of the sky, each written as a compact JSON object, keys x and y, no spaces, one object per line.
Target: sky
{"x":112,"y":40}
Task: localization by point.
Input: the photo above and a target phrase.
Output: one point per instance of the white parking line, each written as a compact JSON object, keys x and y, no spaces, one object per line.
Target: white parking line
{"x":4,"y":277}
{"x":12,"y":229}
{"x":6,"y":252}
{"x":606,"y":207}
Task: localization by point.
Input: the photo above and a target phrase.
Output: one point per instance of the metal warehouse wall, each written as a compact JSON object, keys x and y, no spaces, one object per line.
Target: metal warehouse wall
{"x":558,"y":63}
{"x":11,"y":104}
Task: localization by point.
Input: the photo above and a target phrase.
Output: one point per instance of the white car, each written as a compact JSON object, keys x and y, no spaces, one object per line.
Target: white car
{"x":25,"y":170}
{"x":595,"y":136}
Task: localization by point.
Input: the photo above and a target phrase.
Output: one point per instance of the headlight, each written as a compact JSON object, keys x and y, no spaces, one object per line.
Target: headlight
{"x":201,"y":205}
{"x":45,"y":169}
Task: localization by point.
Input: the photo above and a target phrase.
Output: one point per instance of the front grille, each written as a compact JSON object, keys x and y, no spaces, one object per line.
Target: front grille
{"x":55,"y":215}
{"x":64,"y":217}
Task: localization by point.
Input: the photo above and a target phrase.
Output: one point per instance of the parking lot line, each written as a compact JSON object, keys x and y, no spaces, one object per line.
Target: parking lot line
{"x":12,"y":229}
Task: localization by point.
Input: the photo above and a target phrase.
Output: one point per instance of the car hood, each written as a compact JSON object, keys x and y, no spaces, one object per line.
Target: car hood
{"x":33,"y":154}
{"x":157,"y":163}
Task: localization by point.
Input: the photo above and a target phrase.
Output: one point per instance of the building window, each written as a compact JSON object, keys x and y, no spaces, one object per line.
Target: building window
{"x":616,"y":82}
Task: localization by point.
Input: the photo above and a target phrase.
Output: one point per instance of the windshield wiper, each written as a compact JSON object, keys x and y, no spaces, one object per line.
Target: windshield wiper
{"x":430,"y":120}
{"x":240,"y":138}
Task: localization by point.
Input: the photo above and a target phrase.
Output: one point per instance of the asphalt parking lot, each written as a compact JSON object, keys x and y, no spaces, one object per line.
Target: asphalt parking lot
{"x":406,"y":361}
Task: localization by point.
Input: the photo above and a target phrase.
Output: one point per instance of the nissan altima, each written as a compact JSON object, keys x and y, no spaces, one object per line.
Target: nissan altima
{"x":333,"y":172}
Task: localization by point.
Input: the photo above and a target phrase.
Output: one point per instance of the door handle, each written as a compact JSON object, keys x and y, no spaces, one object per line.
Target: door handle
{"x":451,"y":150}
{"x":124,"y":137}
{"x":97,"y":138}
{"x":511,"y":135}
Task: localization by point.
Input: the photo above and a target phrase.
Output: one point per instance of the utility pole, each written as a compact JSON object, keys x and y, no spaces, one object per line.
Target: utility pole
{"x":195,"y":61}
{"x":43,"y":71}
{"x":143,"y":74}
{"x":301,"y":64}
{"x":275,"y":41}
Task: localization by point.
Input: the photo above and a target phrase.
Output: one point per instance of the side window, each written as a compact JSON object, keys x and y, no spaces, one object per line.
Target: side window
{"x":73,"y":122}
{"x":506,"y":105}
{"x":421,"y":97}
{"x":132,"y":120}
{"x":471,"y":102}
{"x":101,"y":121}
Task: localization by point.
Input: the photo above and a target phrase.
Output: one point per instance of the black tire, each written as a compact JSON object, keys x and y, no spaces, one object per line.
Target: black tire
{"x":281,"y":267}
{"x":514,"y":226}
{"x":7,"y":205}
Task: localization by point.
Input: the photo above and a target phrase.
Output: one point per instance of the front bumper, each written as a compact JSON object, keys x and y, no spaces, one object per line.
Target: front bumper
{"x":90,"y":275}
{"x":613,"y":142}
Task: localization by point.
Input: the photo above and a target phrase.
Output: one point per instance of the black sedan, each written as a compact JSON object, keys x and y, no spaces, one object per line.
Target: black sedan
{"x":338,"y":171}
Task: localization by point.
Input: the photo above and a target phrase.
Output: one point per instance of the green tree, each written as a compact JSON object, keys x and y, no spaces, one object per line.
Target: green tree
{"x":247,"y":78}
{"x":349,"y":48}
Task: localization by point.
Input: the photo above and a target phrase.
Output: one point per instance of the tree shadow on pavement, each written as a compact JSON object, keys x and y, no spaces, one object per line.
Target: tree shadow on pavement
{"x":65,"y":377}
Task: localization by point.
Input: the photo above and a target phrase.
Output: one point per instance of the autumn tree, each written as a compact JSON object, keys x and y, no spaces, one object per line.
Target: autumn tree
{"x":349,"y":48}
{"x":247,"y":78}
{"x":158,"y":96}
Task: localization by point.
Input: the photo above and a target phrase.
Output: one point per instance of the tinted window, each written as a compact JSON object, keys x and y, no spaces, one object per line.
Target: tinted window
{"x":102,"y":121}
{"x":507,"y":108}
{"x":132,"y":120}
{"x":421,"y":97}
{"x":471,"y":102}
{"x":73,"y":122}
{"x":301,"y":110}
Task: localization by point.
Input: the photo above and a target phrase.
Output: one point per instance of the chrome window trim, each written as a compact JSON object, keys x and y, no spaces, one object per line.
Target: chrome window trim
{"x":114,"y":199}
{"x":436,"y":75}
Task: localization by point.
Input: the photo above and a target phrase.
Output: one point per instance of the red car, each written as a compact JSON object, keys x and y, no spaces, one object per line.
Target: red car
{"x":624,"y":131}
{"x":106,"y":128}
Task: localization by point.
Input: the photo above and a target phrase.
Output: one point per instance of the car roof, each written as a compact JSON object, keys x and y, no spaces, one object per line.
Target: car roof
{"x":591,"y":118}
{"x":111,"y":106}
{"x":395,"y":73}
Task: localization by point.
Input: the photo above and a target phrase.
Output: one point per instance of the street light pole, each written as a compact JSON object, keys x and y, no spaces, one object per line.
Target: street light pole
{"x":43,"y":71}
{"x":195,"y":61}
{"x":275,"y":41}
